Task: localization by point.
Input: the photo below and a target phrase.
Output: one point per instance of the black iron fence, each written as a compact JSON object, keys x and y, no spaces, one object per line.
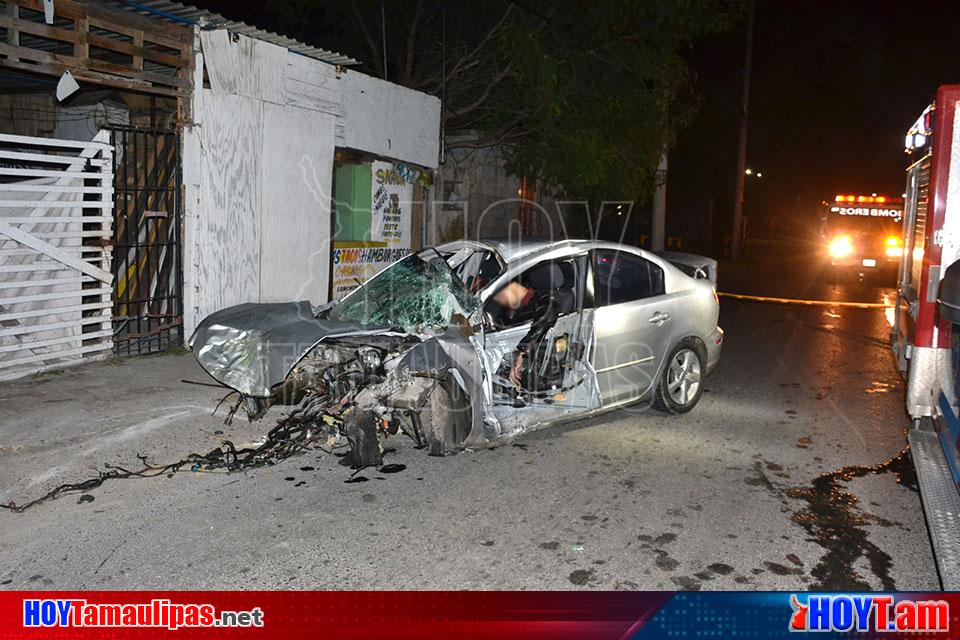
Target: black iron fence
{"x":147,"y":262}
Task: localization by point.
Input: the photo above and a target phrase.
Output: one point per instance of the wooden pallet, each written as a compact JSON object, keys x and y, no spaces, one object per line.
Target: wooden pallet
{"x":116,"y":49}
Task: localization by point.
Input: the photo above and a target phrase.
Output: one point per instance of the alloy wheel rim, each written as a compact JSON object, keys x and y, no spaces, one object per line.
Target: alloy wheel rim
{"x":683,"y":376}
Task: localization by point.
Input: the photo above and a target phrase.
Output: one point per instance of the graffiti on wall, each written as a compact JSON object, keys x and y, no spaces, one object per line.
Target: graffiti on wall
{"x":400,"y":173}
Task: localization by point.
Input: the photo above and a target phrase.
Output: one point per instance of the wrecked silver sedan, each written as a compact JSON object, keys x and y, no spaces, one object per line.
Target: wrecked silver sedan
{"x":466,"y":344}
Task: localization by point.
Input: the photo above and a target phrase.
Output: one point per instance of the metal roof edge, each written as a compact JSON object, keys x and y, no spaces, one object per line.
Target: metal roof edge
{"x":180,"y":13}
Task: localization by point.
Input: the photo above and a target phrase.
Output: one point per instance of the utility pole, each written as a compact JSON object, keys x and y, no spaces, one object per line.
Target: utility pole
{"x":383,"y":32}
{"x":737,"y":240}
{"x":658,"y":226}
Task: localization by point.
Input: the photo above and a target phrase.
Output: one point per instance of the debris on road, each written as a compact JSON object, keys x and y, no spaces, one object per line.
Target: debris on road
{"x":294,"y":433}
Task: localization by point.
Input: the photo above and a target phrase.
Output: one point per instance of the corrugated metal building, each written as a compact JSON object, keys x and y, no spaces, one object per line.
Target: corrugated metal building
{"x":224,"y":140}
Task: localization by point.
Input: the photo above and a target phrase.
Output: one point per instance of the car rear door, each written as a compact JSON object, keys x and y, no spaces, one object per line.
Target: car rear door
{"x":633,"y":323}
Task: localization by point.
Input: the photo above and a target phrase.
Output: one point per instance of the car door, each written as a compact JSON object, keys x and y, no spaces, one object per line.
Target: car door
{"x":500,"y":343}
{"x":633,"y":319}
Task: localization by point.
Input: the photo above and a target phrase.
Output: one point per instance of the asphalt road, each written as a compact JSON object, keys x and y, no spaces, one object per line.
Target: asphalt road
{"x":788,"y":475}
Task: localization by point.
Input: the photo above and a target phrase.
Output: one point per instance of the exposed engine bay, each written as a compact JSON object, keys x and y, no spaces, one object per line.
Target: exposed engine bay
{"x":366,"y":389}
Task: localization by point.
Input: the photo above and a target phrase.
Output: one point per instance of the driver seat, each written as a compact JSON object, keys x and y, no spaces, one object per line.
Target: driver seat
{"x":550,"y":278}
{"x":551,"y":354}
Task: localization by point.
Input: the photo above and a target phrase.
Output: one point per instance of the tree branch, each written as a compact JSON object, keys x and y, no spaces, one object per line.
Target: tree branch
{"x":506,"y":133}
{"x":411,"y":41}
{"x":371,"y":43}
{"x":478,"y":102}
{"x":483,"y":43}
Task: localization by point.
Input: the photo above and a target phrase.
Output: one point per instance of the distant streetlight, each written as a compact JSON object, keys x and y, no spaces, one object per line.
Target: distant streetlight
{"x":749,"y":172}
{"x":759,"y":174}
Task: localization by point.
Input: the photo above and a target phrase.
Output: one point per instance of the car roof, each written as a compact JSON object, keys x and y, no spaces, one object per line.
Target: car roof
{"x":516,"y":252}
{"x":512,"y":249}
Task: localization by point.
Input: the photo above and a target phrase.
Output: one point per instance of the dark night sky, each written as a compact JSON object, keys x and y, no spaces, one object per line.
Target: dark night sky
{"x":836,"y":84}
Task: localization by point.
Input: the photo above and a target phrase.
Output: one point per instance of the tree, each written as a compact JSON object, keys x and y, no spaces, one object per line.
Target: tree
{"x":603,"y":87}
{"x":583,"y":93}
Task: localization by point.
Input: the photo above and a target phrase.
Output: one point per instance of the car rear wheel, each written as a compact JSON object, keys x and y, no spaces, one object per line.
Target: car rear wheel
{"x":681,"y":381}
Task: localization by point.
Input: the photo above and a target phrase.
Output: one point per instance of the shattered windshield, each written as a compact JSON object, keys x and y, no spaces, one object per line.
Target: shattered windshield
{"x":420,"y":290}
{"x":476,"y":268}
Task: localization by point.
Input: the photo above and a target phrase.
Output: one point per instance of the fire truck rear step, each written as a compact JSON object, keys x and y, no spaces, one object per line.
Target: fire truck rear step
{"x":941,"y":503}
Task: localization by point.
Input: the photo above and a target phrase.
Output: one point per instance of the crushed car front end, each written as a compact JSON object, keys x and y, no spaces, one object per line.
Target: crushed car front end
{"x":394,"y":356}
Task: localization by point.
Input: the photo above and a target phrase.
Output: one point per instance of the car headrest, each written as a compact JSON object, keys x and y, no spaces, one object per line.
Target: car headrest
{"x":547,"y":277}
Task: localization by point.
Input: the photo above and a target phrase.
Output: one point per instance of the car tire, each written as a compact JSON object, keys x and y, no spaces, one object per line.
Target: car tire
{"x":446,"y":419}
{"x":681,"y":380}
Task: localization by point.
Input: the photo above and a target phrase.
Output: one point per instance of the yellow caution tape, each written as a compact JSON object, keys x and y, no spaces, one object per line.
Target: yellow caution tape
{"x":820,"y":303}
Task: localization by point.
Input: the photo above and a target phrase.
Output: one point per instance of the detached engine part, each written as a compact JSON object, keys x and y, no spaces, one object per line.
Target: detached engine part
{"x":362,"y":431}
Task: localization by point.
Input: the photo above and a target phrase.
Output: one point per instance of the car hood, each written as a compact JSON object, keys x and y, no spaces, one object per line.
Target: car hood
{"x":253,"y":347}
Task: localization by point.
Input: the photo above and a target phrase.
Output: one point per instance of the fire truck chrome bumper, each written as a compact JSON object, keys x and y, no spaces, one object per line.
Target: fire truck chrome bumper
{"x":941,"y":502}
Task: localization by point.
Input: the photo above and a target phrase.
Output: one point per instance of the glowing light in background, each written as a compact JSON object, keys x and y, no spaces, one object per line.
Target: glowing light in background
{"x":841,"y":246}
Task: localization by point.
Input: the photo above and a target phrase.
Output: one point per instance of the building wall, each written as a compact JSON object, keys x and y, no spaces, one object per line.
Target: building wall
{"x":257,"y":174}
{"x":39,"y":114}
{"x":258,"y":167}
{"x":477,"y":198}
{"x":390,"y":121}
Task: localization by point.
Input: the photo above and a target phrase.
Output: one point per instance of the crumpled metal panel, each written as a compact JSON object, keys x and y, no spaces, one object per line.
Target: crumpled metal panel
{"x":454,"y":352}
{"x":252,"y":347}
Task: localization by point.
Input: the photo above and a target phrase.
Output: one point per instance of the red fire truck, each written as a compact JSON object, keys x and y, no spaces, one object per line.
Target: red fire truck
{"x":926,"y":322}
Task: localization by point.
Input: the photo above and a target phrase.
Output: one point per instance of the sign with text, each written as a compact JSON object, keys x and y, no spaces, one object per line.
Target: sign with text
{"x":423,"y":615}
{"x":390,"y":205}
{"x":868,"y":212}
{"x":356,"y":262}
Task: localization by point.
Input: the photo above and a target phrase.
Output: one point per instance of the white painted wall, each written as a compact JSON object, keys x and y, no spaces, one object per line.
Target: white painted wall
{"x":389,"y":120}
{"x":297,"y":164}
{"x":227,"y":245}
{"x":258,"y":167}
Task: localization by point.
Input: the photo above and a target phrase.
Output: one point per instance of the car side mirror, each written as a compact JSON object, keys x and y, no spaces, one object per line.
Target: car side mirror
{"x":948,"y":302}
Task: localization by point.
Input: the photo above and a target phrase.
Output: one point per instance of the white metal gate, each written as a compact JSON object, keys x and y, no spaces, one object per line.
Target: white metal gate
{"x":56,"y":205}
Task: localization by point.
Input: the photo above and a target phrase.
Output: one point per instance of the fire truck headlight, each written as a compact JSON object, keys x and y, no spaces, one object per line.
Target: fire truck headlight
{"x":893,"y":247}
{"x":841,"y":247}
